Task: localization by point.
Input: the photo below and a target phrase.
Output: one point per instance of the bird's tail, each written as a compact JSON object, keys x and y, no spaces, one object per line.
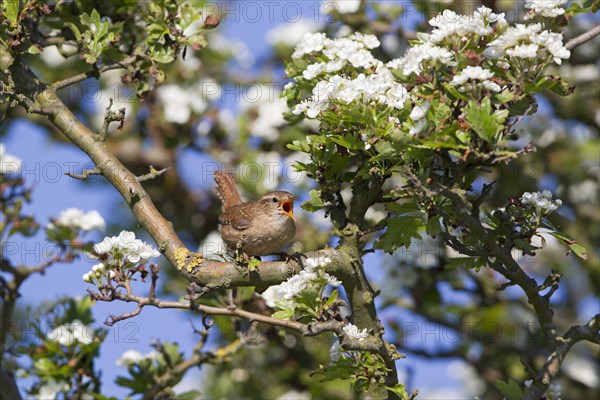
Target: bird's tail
{"x":227,"y":190}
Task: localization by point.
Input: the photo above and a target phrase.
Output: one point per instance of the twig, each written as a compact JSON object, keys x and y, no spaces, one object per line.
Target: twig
{"x":93,"y":74}
{"x":111,"y":116}
{"x":152,"y":174}
{"x":584,"y":37}
{"x":551,"y":367}
{"x":371,"y":344}
{"x":84,"y":174}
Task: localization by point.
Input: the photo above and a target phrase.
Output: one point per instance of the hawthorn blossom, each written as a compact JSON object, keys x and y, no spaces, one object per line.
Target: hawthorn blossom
{"x":471,"y":74}
{"x":541,"y":201}
{"x":51,"y":388}
{"x":419,"y":111}
{"x":126,"y":246}
{"x":9,"y":164}
{"x":416,"y":56}
{"x":70,"y":333}
{"x":449,"y":23}
{"x":529,"y":41}
{"x":311,"y":42}
{"x":354,"y":333}
{"x":545,"y":8}
{"x":78,"y":219}
{"x":283,"y":294}
{"x":341,"y":6}
{"x":129,"y":357}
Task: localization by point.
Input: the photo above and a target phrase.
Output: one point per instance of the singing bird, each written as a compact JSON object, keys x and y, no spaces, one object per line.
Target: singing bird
{"x":262,"y":227}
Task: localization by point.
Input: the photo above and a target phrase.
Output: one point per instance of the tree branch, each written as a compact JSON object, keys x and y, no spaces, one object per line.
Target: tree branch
{"x":93,"y":74}
{"x":584,"y":37}
{"x":551,"y":367}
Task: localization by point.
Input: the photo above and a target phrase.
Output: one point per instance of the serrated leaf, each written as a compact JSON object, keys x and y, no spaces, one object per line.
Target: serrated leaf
{"x":348,"y":142}
{"x":314,"y":203}
{"x":510,"y":389}
{"x":483,"y":120}
{"x":399,"y":232}
{"x":567,"y":240}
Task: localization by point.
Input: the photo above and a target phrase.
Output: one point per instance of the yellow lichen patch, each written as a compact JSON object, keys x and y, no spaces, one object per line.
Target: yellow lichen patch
{"x":187,"y":259}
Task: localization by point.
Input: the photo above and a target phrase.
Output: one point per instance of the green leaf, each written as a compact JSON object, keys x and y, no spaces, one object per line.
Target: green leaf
{"x":483,"y":120}
{"x":511,"y":389}
{"x":571,"y":243}
{"x":400,"y":231}
{"x":403,"y":208}
{"x":11,"y":10}
{"x":314,"y":203}
{"x":545,"y":82}
{"x":253,"y":263}
{"x":191,"y":395}
{"x":399,"y":390}
{"x":348,"y":142}
{"x":283,"y":314}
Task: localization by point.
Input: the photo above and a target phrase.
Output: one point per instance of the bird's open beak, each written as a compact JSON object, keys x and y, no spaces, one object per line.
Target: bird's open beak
{"x":288,"y":208}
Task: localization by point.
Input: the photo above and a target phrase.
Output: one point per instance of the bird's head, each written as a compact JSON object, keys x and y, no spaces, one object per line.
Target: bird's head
{"x":281,"y":200}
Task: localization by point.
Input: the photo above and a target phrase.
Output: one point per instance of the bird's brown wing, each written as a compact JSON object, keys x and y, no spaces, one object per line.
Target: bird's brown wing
{"x":226,"y":190}
{"x":237,"y":217}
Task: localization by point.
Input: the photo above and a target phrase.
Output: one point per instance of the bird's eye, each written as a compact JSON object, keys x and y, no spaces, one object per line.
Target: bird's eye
{"x":274,"y":199}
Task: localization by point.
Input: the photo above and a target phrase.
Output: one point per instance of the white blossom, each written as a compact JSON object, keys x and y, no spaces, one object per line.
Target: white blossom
{"x":129,"y":357}
{"x":354,"y":333}
{"x":76,"y":218}
{"x":180,"y":103}
{"x":126,"y":246}
{"x":419,"y":111}
{"x":530,"y":42}
{"x":341,"y":6}
{"x":470,"y":74}
{"x":73,"y":332}
{"x":545,"y":8}
{"x":51,"y":388}
{"x":294,"y":395}
{"x":311,"y":42}
{"x":268,"y":107}
{"x":9,"y":164}
{"x":449,"y":23}
{"x":283,"y":294}
{"x":313,"y":70}
{"x":542,"y":201}
{"x":413,"y":60}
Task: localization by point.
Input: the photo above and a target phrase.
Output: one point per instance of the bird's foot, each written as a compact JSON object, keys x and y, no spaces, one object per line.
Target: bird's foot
{"x":297,"y":257}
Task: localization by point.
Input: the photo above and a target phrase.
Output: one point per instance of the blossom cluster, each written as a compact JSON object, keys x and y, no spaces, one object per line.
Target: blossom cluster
{"x":379,"y":87}
{"x":126,"y":247}
{"x":70,"y":333}
{"x":97,"y":272}
{"x":78,"y":219}
{"x":134,"y":357}
{"x":282,"y":296}
{"x":542,"y":202}
{"x":529,"y":42}
{"x":375,"y":85}
{"x":545,"y":8}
